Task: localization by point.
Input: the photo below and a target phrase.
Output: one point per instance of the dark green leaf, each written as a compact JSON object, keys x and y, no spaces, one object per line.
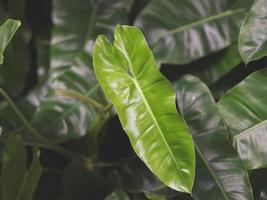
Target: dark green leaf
{"x":13,"y":171}
{"x":129,"y":77}
{"x":78,"y":22}
{"x":226,"y":61}
{"x":220,"y":173}
{"x":253,"y":33}
{"x":7,"y":31}
{"x":244,"y":109}
{"x":182,"y":31}
{"x":18,"y":182}
{"x":32,"y":177}
{"x":67,"y":117}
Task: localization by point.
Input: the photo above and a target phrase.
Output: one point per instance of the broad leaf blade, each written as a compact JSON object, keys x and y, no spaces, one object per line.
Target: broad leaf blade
{"x":182,"y":31}
{"x":7,"y":31}
{"x":220,"y":173}
{"x":244,"y":109}
{"x":77,"y":22}
{"x":220,"y":65}
{"x":253,"y":33}
{"x":129,"y":77}
{"x":67,"y":117}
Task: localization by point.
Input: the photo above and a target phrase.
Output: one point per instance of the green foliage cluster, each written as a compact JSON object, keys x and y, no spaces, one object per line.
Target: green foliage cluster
{"x":133,"y":100}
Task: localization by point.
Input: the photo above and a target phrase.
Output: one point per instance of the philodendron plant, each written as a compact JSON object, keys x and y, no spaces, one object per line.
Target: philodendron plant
{"x":130,"y":78}
{"x":171,"y":106}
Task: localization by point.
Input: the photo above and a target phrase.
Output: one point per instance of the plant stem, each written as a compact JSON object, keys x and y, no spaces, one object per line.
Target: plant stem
{"x":63,"y":151}
{"x":86,"y":99}
{"x":27,"y":124}
{"x":44,"y":142}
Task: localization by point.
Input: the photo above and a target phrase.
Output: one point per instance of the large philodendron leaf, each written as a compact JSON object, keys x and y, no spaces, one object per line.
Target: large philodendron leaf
{"x":77,"y":22}
{"x":129,"y":77}
{"x":182,"y":31}
{"x":253,"y":33}
{"x":7,"y":31}
{"x":67,"y":118}
{"x":219,"y":171}
{"x":244,"y":109}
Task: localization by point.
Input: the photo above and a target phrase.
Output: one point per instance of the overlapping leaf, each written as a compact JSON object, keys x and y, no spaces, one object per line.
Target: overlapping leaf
{"x":18,"y":182}
{"x":253,"y":33}
{"x":244,"y":109}
{"x":182,"y":31}
{"x":76,"y":24}
{"x":129,"y":77}
{"x":220,"y":65}
{"x":220,"y":173}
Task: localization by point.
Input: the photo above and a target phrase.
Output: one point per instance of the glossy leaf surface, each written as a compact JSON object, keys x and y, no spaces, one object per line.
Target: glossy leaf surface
{"x":67,"y":117}
{"x":253,"y":33}
{"x":244,"y":109}
{"x":129,"y":77}
{"x":78,"y":22}
{"x":219,"y":171}
{"x":220,"y":65}
{"x":190,"y":29}
{"x":7,"y":31}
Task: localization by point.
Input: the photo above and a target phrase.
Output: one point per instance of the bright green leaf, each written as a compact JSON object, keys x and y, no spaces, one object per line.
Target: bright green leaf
{"x":219,"y":171}
{"x":7,"y":31}
{"x":129,"y":77}
{"x":253,"y":33}
{"x":244,"y":109}
{"x":182,"y":31}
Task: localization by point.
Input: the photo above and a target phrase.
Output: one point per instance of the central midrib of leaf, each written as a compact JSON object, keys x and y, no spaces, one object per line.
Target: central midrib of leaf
{"x":200,"y":22}
{"x":139,"y":89}
{"x":211,"y":171}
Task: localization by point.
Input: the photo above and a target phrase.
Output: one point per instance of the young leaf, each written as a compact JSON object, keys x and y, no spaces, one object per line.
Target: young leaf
{"x":244,"y":109}
{"x":253,"y":33}
{"x":183,"y":31}
{"x":7,"y":31}
{"x":220,"y":173}
{"x":145,"y":102}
